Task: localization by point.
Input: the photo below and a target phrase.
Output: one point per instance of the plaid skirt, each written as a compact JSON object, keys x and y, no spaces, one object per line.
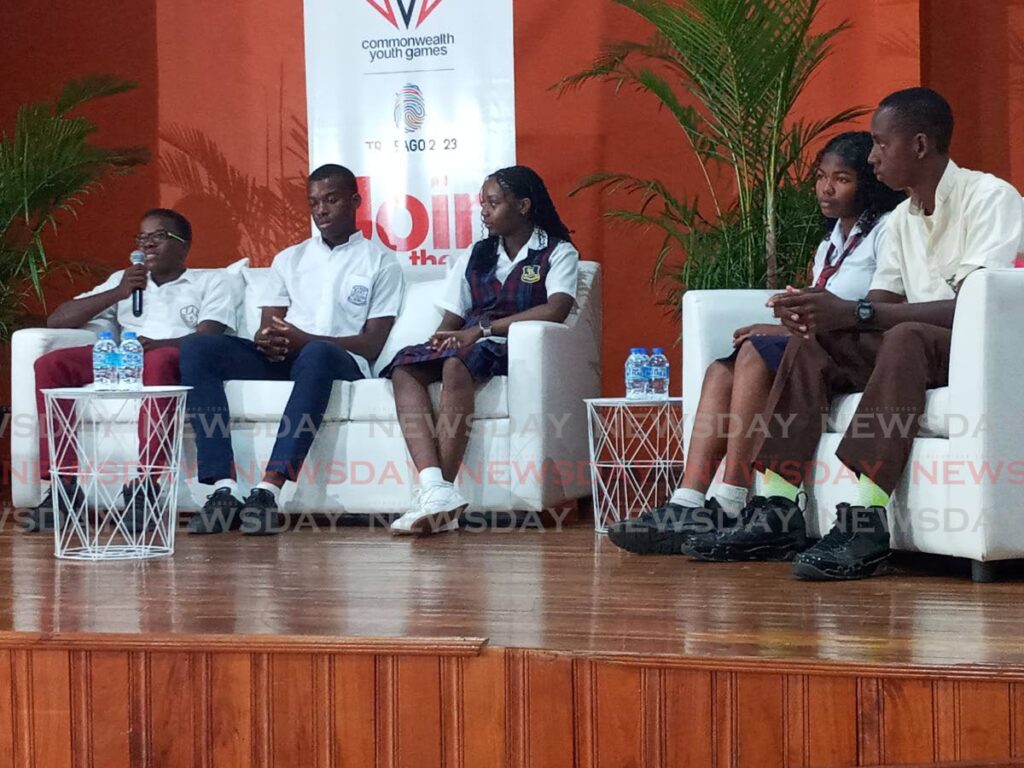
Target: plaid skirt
{"x":484,"y":360}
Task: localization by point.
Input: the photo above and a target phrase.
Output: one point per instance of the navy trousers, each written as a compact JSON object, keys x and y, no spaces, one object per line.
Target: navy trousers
{"x":208,"y":361}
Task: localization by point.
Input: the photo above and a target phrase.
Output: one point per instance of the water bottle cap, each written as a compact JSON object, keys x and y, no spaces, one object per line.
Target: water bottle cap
{"x":642,"y":350}
{"x":130,"y":335}
{"x":106,"y":335}
{"x":658,"y":351}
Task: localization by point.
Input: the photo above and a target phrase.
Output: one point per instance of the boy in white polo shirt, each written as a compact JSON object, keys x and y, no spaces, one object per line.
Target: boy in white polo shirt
{"x":893,"y":345}
{"x":327,"y":312}
{"x":177,"y":303}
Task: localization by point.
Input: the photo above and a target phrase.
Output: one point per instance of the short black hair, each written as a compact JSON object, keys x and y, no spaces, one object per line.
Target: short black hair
{"x":180,"y":224}
{"x":922,"y":110}
{"x":334,"y":171}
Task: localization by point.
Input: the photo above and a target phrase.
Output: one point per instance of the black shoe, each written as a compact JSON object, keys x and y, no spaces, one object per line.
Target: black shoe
{"x":135,"y":494}
{"x":220,"y":513}
{"x":259,"y":514}
{"x":664,"y":530}
{"x":769,"y":529}
{"x":857,"y":547}
{"x":40,"y":518}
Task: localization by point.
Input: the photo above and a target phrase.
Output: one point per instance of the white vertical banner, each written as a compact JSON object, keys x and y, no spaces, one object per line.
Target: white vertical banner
{"x":417,"y":97}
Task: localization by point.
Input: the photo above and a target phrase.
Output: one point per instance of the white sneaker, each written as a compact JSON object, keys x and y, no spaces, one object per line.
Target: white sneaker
{"x":435,"y":509}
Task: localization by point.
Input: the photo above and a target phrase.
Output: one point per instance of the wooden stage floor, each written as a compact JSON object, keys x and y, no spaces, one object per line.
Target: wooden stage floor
{"x":375,"y":650}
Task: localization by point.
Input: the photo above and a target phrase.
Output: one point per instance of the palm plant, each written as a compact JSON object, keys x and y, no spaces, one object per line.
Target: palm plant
{"x":743,"y":63}
{"x":46,"y":166}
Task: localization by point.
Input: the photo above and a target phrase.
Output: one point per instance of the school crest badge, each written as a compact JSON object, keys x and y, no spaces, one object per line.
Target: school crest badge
{"x":190,"y":315}
{"x":359,"y":295}
{"x":531,"y":273}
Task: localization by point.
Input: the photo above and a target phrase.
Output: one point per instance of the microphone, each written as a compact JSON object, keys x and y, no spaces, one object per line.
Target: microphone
{"x":137,"y":257}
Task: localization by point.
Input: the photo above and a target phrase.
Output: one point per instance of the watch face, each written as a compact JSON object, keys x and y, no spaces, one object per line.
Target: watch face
{"x":865,"y":311}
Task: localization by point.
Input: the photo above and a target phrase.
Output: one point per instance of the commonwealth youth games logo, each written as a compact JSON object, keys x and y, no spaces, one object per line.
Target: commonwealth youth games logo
{"x":410,"y":110}
{"x":406,"y":11}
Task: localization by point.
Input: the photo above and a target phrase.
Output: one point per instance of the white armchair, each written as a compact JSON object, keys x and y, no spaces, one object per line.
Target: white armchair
{"x":527,"y":449}
{"x":963,"y":491}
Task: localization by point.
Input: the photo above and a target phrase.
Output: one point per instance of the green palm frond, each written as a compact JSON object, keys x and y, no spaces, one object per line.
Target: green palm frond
{"x":48,"y":163}
{"x":730,"y":73}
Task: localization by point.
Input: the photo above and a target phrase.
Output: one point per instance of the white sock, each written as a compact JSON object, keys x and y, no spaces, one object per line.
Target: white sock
{"x":431,"y":476}
{"x":732,"y":498}
{"x":231,"y":485}
{"x":687,"y":497}
{"x":270,"y":487}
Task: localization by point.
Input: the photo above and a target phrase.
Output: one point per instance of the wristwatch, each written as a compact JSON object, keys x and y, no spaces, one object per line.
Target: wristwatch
{"x":485,"y":326}
{"x":865,"y":312}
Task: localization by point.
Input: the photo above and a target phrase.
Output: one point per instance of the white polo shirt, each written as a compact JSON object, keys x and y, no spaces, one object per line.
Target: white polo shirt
{"x":853,"y":279}
{"x":174,"y":309}
{"x":563,"y":272}
{"x":978,"y":222}
{"x":334,"y":291}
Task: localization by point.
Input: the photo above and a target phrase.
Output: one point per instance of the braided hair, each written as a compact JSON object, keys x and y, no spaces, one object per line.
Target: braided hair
{"x":521,"y":182}
{"x":873,"y":198}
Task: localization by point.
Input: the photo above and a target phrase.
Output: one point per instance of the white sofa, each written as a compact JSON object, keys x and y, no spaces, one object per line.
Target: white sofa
{"x":527,"y":450}
{"x":963,"y":493}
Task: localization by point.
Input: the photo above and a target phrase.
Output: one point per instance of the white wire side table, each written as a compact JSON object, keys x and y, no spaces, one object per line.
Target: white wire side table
{"x":636,"y":455}
{"x":115,"y":461}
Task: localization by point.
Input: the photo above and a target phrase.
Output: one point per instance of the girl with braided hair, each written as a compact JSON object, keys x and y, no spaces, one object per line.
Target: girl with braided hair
{"x":525,"y":270}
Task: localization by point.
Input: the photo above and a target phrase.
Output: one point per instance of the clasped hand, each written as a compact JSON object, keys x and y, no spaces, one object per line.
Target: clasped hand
{"x":445,"y":340}
{"x":280,"y":339}
{"x":810,"y":310}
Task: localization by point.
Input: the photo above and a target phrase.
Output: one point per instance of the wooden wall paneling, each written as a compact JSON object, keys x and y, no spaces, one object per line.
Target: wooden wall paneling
{"x":323,"y":709}
{"x":483,"y":710}
{"x":261,"y":733}
{"x":418,"y":706}
{"x":832,"y":721}
{"x":585,"y":723}
{"x":620,"y":715}
{"x":759,"y":713}
{"x":869,"y":721}
{"x":7,"y":708}
{"x":985,"y":720}
{"x":549,"y":737}
{"x":689,"y":726}
{"x":908,"y":724}
{"x":795,"y":721}
{"x":108,"y":717}
{"x":49,"y":681}
{"x":946,"y":719}
{"x":1017,"y":719}
{"x":652,"y":721}
{"x":173,"y":711}
{"x":724,"y":718}
{"x":230,"y":689}
{"x":356,"y":723}
{"x":292,"y":708}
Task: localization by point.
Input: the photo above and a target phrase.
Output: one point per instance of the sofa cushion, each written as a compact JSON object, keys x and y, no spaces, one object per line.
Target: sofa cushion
{"x":265,"y":400}
{"x":373,"y":400}
{"x":417,"y":319}
{"x":936,"y":421}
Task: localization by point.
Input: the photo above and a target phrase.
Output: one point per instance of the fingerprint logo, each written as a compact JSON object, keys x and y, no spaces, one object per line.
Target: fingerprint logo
{"x":409,"y":108}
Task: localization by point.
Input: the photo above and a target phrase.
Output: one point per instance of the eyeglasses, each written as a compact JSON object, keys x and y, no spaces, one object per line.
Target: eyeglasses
{"x":159,"y":237}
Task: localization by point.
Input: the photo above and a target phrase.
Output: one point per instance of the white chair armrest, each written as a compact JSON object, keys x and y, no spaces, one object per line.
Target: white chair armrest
{"x":986,"y":368}
{"x":552,"y":368}
{"x":27,"y":346}
{"x":709,"y":319}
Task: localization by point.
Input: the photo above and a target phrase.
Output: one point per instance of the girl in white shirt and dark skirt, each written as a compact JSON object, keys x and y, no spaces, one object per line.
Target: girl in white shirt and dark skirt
{"x":855,"y":205}
{"x":525,"y":270}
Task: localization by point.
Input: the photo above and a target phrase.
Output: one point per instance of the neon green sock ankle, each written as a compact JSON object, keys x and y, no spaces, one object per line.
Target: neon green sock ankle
{"x":777,"y":485}
{"x":869,"y":494}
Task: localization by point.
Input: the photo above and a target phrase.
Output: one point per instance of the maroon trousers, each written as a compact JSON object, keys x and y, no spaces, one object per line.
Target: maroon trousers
{"x":893,"y":368}
{"x":72,"y":367}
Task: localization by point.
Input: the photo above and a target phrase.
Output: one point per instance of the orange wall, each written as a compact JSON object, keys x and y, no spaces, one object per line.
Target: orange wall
{"x":233,"y":70}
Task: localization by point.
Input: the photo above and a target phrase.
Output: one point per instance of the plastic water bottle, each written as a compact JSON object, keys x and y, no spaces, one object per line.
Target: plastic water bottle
{"x":106,"y":362}
{"x":636,"y":374}
{"x":132,"y":361}
{"x":657,"y":375}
